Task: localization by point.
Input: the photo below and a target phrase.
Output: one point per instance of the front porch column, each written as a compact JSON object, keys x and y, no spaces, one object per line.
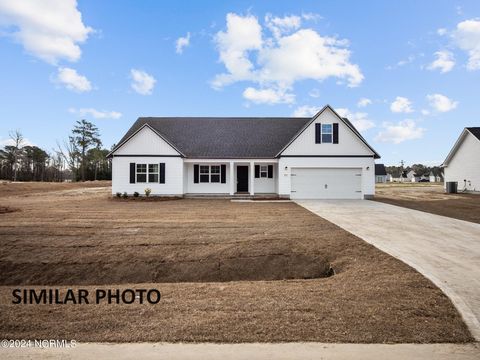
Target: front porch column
{"x":252,"y":178}
{"x":232,"y":178}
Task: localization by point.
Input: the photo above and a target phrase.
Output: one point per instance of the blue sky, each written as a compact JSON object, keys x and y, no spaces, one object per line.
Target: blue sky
{"x":415,"y":64}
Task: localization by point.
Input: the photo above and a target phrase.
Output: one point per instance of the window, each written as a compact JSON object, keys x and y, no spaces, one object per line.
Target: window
{"x":204,"y":173}
{"x":153,"y":173}
{"x":141,"y":173}
{"x":327,"y":133}
{"x":263,"y":171}
{"x":215,"y":173}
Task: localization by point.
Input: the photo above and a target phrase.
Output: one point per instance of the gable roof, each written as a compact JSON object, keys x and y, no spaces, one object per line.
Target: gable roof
{"x":227,"y":138}
{"x":474,"y":131}
{"x":380,"y":169}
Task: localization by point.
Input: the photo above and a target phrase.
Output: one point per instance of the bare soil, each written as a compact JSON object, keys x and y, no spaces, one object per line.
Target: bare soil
{"x":227,"y":271}
{"x":431,"y":198}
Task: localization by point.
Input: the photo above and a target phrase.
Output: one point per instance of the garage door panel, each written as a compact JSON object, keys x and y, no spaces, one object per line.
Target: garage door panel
{"x":326,"y":183}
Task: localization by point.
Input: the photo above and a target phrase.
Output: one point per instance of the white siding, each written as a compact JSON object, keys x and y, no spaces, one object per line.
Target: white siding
{"x":286,"y":164}
{"x":206,"y":188}
{"x":348,"y":142}
{"x":146,"y":142}
{"x":173,"y":175}
{"x":266,"y":185}
{"x":465,"y":164}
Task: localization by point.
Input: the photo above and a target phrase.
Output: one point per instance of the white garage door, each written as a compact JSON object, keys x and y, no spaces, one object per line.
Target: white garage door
{"x":326,"y":183}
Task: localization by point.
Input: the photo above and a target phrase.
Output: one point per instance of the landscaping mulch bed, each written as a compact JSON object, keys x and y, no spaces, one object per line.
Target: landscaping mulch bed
{"x":227,"y":271}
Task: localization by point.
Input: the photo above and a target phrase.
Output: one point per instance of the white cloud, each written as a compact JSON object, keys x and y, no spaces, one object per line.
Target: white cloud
{"x":441,"y":103}
{"x":50,"y":30}
{"x":363,"y":102}
{"x":142,"y":82}
{"x":425,"y":112}
{"x":400,"y":132}
{"x":442,"y":31}
{"x":401,"y":105}
{"x":444,"y":61}
{"x":291,"y":54}
{"x":268,"y":96}
{"x":314,"y":93}
{"x":306,"y":111}
{"x":97,"y":114}
{"x":73,"y":80}
{"x":181,"y":43}
{"x":359,"y":119}
{"x":467,"y":38}
{"x":10,"y":142}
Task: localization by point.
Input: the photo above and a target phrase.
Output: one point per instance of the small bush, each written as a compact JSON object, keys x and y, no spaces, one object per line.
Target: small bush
{"x":148,"y":192}
{"x":136,"y":194}
{"x":125,"y":195}
{"x":118,"y":194}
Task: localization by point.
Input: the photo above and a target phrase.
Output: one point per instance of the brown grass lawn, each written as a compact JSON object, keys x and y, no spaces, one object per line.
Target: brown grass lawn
{"x":228,"y":272}
{"x":432,"y":199}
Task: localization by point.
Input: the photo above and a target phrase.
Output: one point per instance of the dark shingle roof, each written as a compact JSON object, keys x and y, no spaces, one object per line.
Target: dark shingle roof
{"x":224,"y":137}
{"x":475,"y":131}
{"x":380,"y":169}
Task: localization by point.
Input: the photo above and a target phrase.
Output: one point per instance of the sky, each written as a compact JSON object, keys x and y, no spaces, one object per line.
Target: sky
{"x":406,"y":73}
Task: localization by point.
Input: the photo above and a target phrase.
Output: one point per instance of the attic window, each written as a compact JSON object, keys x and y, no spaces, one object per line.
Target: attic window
{"x":327,"y":133}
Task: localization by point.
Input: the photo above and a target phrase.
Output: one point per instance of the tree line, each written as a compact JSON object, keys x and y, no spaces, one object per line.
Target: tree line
{"x":419,"y":169}
{"x":79,"y":158}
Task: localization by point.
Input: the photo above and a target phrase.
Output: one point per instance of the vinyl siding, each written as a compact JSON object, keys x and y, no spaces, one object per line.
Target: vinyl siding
{"x":465,"y":164}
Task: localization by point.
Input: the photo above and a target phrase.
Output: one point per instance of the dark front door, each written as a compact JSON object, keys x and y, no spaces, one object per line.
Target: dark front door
{"x":242,"y":178}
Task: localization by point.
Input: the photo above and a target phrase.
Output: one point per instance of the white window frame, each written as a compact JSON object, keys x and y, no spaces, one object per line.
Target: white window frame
{"x":263,"y":171}
{"x":210,"y":174}
{"x":327,"y":133}
{"x":137,"y":172}
{"x":147,"y":173}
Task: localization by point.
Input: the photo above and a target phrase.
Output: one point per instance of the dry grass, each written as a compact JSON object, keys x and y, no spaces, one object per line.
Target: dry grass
{"x":431,"y":198}
{"x":83,"y":237}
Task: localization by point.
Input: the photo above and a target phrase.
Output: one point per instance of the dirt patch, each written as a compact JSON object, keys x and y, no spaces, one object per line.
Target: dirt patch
{"x":87,"y":241}
{"x":7,"y":209}
{"x":8,"y":188}
{"x":431,"y":199}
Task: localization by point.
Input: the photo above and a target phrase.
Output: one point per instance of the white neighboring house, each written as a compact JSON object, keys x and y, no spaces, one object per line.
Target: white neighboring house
{"x":380,"y":173}
{"x":463,"y":162}
{"x":323,"y":157}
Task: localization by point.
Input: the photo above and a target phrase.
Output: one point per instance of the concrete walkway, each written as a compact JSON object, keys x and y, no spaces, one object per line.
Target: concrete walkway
{"x":445,"y":250}
{"x":147,"y":351}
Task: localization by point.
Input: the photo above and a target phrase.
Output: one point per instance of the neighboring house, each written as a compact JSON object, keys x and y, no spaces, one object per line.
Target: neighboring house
{"x":402,"y":177}
{"x":434,"y":178}
{"x":412,"y":176}
{"x":389,"y":178}
{"x":380,"y":173}
{"x":323,"y":157}
{"x":463,"y":162}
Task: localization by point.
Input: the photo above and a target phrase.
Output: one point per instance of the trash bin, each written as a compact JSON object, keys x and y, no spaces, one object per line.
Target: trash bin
{"x":452,"y":187}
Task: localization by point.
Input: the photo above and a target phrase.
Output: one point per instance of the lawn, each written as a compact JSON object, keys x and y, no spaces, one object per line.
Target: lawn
{"x":430,"y":198}
{"x":227,"y":271}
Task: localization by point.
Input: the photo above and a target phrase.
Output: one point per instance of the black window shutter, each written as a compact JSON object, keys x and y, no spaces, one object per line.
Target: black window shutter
{"x":196,"y":171}
{"x":223,"y":173}
{"x":318,"y":133}
{"x":257,"y":171}
{"x":270,"y":171}
{"x":335,"y":133}
{"x":132,"y":173}
{"x":161,"y":178}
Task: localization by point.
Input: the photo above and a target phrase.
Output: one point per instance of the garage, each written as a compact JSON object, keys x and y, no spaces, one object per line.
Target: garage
{"x":326,"y":183}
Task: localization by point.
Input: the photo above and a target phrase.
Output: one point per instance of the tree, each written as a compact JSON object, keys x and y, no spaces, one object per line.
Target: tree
{"x":85,"y":136}
{"x":16,"y":149}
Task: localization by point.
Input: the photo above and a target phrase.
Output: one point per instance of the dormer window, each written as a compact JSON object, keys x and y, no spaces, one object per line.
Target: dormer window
{"x":327,"y":133}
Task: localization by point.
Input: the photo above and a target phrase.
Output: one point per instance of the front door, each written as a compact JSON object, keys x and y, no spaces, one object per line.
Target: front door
{"x":242,"y":178}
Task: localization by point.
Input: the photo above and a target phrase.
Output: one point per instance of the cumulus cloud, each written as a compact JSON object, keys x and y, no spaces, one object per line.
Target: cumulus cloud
{"x":306,"y":111}
{"x":97,"y":114}
{"x":467,"y":38}
{"x":49,"y":30}
{"x":181,"y":43}
{"x":142,"y":82}
{"x":363,"y":102}
{"x":441,"y":103}
{"x":72,"y":80}
{"x":359,"y":119}
{"x":289,"y":55}
{"x":268,"y":96}
{"x":444,"y":61}
{"x":399,"y":132}
{"x":401,"y":105}
{"x":314,"y":93}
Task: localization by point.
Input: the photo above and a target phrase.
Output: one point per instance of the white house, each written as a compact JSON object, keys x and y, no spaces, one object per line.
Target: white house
{"x":463,"y":162}
{"x":380,"y":173}
{"x":323,"y":157}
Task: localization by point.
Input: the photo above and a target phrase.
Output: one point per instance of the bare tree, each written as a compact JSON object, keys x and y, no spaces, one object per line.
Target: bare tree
{"x":18,"y":140}
{"x":70,"y":154}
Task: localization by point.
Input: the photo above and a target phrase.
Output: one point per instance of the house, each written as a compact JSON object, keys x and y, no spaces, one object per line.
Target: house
{"x":412,"y":176}
{"x":380,"y":173}
{"x":434,"y":178}
{"x":323,"y":157}
{"x":463,"y":162}
{"x":389,"y":178}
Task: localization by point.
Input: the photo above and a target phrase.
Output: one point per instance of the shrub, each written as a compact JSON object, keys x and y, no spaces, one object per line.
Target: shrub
{"x":136,"y":194}
{"x":125,"y":195}
{"x":118,"y":194}
{"x":147,"y":192}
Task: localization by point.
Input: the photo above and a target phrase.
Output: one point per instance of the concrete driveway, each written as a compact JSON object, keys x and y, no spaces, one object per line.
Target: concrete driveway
{"x":445,"y":250}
